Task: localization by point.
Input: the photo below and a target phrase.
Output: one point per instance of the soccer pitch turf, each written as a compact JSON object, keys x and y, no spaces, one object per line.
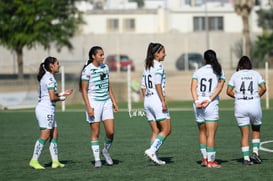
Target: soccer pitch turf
{"x":19,"y":131}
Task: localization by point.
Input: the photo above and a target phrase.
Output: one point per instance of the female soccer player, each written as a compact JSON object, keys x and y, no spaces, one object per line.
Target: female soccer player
{"x":45,"y":112}
{"x":207,"y":83}
{"x":246,"y":86}
{"x":155,"y":105}
{"x":99,"y":102}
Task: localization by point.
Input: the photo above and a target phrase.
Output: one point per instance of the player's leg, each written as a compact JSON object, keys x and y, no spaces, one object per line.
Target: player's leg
{"x":109,"y":130}
{"x":108,"y":122}
{"x":211,"y":127}
{"x":203,"y":142}
{"x":45,"y":120}
{"x":95,"y":144}
{"x":245,"y":145}
{"x":256,"y":144}
{"x":38,"y":147}
{"x":165,"y":130}
{"x":53,"y":149}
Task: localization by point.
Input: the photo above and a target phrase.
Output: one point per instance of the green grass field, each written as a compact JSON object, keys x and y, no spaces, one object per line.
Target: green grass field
{"x":19,"y":131}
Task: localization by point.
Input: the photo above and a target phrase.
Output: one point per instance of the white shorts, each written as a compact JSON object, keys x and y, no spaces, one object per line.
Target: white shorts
{"x":103,"y":110}
{"x":207,"y":114}
{"x":153,"y":109}
{"x":248,"y":112}
{"x":46,"y":116}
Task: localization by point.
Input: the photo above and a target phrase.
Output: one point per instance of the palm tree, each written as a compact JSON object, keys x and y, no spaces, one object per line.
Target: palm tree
{"x":243,"y":8}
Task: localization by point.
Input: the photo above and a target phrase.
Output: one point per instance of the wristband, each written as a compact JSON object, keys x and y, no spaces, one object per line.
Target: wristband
{"x":62,"y":98}
{"x":61,"y":94}
{"x":196,"y":101}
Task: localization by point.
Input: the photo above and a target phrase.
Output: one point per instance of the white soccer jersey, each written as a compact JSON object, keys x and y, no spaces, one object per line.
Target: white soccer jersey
{"x":98,"y":79}
{"x":207,"y":81}
{"x":151,"y":77}
{"x":246,"y":84}
{"x":47,"y":83}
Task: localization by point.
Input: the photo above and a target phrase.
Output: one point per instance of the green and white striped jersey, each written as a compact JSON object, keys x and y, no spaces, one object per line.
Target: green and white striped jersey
{"x":98,"y":79}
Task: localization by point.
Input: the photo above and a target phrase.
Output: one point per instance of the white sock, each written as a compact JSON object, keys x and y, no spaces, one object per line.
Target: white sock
{"x":96,"y":150}
{"x":53,"y":149}
{"x":156,"y":144}
{"x":245,"y":151}
{"x":203,"y":150}
{"x":38,"y":149}
{"x":256,"y":146}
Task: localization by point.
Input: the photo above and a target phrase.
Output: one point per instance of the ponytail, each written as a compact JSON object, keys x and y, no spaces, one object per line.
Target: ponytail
{"x":45,"y":66}
{"x":152,"y":49}
{"x":210,"y":58}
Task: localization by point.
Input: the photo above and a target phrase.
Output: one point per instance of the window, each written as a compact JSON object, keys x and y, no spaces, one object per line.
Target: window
{"x":214,"y":24}
{"x":112,"y":25}
{"x":129,"y":25}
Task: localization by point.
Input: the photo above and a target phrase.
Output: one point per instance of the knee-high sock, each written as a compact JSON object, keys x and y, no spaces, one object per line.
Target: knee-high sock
{"x":95,"y":147}
{"x":53,"y":149}
{"x":38,"y":148}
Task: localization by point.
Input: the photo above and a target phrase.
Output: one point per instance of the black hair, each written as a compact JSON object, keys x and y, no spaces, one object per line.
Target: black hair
{"x":210,"y":58}
{"x":92,"y":51}
{"x":244,"y":63}
{"x":45,"y":66}
{"x":152,"y":49}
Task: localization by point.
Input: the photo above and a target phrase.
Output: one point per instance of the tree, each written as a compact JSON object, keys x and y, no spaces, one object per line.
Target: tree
{"x":265,"y":19}
{"x":244,"y":8}
{"x":263,"y":50}
{"x":28,"y":23}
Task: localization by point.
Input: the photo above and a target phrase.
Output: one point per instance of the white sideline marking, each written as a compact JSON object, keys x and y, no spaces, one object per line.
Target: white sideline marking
{"x":265,"y":149}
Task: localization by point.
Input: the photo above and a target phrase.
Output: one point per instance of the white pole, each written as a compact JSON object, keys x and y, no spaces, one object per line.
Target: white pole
{"x":129,"y":88}
{"x":267,"y":82}
{"x":63,"y":86}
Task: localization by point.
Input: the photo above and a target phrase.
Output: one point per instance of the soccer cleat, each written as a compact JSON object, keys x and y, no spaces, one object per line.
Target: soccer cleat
{"x":161,"y":162}
{"x":153,"y":157}
{"x":213,"y":164}
{"x":107,"y":157}
{"x":97,"y":164}
{"x":56,"y":164}
{"x":247,"y":162}
{"x":255,"y":158}
{"x":35,"y":164}
{"x":204,"y":162}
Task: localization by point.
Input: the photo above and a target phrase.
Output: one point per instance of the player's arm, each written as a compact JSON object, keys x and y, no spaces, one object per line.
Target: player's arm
{"x":143,"y":92}
{"x":55,"y":97}
{"x":194,"y":84}
{"x":113,"y":99}
{"x":262,"y":89}
{"x":84,"y":88}
{"x":158,"y":88}
{"x":219,"y":89}
{"x":230,"y":91}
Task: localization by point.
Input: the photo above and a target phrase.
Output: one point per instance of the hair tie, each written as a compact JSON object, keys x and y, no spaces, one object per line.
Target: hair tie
{"x":43,"y":61}
{"x":87,"y":62}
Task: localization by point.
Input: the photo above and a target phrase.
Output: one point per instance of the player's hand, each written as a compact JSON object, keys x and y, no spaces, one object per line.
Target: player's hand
{"x":198,"y":104}
{"x":164,"y":106}
{"x":205,"y":103}
{"x":68,"y":92}
{"x":115,"y":107}
{"x":90,"y":112}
